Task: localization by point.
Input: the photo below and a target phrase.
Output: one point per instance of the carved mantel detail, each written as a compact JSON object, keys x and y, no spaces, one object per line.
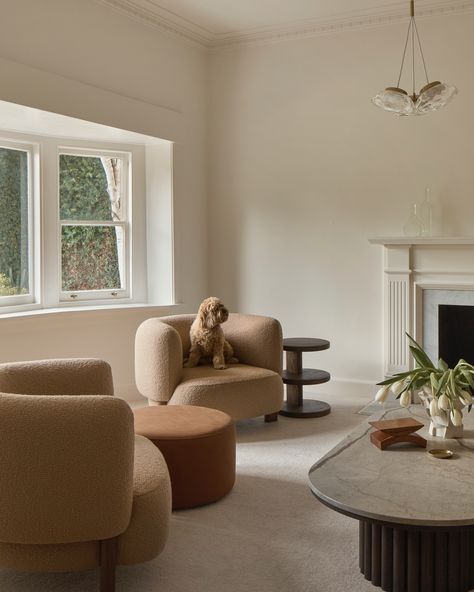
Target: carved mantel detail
{"x":411,"y":265}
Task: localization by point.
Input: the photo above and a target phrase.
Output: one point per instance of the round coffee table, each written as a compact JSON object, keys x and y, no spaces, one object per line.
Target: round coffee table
{"x":415,"y":512}
{"x":295,"y":377}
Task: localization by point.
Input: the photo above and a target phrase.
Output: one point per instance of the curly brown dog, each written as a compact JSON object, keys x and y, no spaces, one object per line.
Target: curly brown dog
{"x":207,"y":337}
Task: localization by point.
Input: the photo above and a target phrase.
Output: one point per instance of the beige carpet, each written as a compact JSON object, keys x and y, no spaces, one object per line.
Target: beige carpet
{"x":268,"y":535}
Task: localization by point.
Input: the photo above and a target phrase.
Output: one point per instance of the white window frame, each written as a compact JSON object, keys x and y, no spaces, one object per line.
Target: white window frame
{"x":125,"y":224}
{"x":32,"y":151}
{"x":150,"y":253}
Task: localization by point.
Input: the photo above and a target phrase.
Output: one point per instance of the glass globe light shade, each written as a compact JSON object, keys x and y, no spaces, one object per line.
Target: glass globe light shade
{"x":433,"y":96}
{"x":395,"y":100}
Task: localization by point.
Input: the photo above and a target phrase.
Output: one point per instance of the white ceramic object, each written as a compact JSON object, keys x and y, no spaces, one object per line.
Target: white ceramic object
{"x":445,"y":423}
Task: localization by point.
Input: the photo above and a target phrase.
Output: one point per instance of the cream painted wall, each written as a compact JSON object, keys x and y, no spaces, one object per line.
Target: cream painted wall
{"x":303,"y":169}
{"x":81,"y":59}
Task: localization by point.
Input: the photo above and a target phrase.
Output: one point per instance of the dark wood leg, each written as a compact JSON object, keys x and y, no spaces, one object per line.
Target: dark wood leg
{"x":271,"y":417}
{"x":368,"y":550}
{"x":427,"y":561}
{"x":361,"y":545}
{"x":413,"y":561}
{"x":108,"y":561}
{"x":294,"y":364}
{"x":387,"y":558}
{"x":441,"y":562}
{"x":376,"y":555}
{"x":399,"y":560}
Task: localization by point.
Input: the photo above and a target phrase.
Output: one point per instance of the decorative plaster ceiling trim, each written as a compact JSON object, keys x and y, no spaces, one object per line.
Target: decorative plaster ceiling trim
{"x":170,"y":23}
{"x":345,"y":22}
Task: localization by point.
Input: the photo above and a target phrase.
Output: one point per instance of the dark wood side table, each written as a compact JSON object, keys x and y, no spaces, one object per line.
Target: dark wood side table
{"x":295,"y":377}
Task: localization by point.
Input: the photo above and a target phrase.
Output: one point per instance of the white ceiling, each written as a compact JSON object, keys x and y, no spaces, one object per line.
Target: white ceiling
{"x":222,"y":22}
{"x":221,"y":17}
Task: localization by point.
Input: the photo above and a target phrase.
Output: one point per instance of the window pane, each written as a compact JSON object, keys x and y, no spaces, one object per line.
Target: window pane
{"x":13,"y":222}
{"x":90,"y":188}
{"x":90,"y":257}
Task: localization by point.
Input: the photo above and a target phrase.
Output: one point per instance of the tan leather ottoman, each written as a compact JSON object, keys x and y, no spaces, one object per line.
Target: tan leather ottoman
{"x":198,"y":444}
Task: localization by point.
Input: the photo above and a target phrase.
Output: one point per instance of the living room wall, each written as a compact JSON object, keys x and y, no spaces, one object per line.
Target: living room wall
{"x":303,"y":169}
{"x":91,"y":62}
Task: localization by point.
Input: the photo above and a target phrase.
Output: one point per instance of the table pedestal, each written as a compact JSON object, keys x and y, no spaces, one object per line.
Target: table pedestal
{"x":400,"y":559}
{"x":295,"y":377}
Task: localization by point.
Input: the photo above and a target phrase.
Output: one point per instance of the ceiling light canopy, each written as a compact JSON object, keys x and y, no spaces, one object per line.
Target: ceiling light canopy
{"x":431,"y":97}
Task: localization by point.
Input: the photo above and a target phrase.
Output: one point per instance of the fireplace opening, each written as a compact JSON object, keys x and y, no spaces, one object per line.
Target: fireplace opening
{"x":456,"y":333}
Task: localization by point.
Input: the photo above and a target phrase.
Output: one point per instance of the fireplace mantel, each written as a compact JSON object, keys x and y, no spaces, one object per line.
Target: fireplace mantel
{"x":410,"y":265}
{"x":422,"y":240}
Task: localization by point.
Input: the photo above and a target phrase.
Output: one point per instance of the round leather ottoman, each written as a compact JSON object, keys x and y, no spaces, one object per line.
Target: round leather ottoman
{"x":198,"y":444}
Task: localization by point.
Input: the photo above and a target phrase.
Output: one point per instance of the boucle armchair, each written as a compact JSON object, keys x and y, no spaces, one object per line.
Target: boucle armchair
{"x":79,"y":489}
{"x":251,"y":388}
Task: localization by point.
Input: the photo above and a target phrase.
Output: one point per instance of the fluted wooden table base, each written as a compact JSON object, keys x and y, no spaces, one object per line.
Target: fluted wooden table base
{"x":411,"y":560}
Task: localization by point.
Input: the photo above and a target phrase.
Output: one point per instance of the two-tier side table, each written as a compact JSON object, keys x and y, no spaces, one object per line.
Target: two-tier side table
{"x":295,"y":377}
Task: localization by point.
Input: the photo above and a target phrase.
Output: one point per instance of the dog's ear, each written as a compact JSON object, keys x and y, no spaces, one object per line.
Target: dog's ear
{"x":202,"y":312}
{"x":210,"y":319}
{"x":206,"y":317}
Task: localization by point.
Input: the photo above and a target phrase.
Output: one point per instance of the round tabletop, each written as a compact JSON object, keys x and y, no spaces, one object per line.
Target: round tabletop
{"x":402,"y":485}
{"x":305,"y":344}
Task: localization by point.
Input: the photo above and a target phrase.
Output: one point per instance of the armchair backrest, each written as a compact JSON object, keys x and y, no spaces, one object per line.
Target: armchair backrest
{"x":76,"y":376}
{"x":257,"y":340}
{"x":67,"y":468}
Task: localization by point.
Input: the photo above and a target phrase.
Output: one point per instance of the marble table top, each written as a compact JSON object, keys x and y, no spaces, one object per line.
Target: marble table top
{"x":404,"y":484}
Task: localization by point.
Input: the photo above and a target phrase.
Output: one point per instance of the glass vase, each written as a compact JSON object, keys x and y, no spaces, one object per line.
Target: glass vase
{"x":413,"y":226}
{"x":426,"y":214}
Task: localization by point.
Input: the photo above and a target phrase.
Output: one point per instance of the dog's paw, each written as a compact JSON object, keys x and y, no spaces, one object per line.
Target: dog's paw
{"x":188,"y":364}
{"x":220,"y":366}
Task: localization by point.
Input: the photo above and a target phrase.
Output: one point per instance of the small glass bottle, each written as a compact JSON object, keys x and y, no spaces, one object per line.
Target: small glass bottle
{"x":426,"y":214}
{"x":413,"y":225}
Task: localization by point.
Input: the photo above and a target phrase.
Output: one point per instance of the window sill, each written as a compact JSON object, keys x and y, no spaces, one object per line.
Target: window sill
{"x":108,"y":308}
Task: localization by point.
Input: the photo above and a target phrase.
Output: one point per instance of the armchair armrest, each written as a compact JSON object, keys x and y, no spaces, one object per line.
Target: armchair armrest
{"x":67,"y":468}
{"x":256,"y":340}
{"x":158,"y":360}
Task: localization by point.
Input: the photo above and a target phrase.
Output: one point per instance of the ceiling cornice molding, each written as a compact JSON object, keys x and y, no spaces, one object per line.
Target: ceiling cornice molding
{"x":163,"y":21}
{"x":343,"y":22}
{"x":168,"y":22}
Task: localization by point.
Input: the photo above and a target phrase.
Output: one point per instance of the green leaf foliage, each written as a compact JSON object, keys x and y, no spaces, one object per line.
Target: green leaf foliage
{"x":440,"y":380}
{"x":89,"y":257}
{"x":14,"y":220}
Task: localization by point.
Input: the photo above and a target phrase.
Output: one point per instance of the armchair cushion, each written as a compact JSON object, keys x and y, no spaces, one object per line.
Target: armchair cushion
{"x":242,"y":391}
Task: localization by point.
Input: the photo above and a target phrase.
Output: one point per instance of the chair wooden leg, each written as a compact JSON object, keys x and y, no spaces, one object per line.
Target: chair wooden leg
{"x":108,"y":561}
{"x":271,"y":417}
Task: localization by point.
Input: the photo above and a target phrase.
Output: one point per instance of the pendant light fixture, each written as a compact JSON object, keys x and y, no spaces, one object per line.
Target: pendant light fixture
{"x":431,"y":97}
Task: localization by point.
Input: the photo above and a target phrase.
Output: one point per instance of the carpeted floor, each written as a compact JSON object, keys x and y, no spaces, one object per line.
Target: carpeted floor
{"x":268,"y":535}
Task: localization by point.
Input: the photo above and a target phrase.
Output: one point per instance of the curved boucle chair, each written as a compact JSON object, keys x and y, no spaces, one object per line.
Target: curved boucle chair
{"x":251,"y":388}
{"x":79,"y":489}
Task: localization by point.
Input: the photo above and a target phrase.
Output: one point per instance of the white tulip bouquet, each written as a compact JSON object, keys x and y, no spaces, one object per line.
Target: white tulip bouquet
{"x":448,"y":389}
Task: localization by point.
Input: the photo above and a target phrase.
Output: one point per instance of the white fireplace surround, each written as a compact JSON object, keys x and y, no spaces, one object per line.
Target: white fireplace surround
{"x":411,"y":265}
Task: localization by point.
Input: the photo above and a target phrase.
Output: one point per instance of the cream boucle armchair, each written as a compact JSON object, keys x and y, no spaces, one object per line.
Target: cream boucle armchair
{"x":251,"y":388}
{"x":79,"y":489}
